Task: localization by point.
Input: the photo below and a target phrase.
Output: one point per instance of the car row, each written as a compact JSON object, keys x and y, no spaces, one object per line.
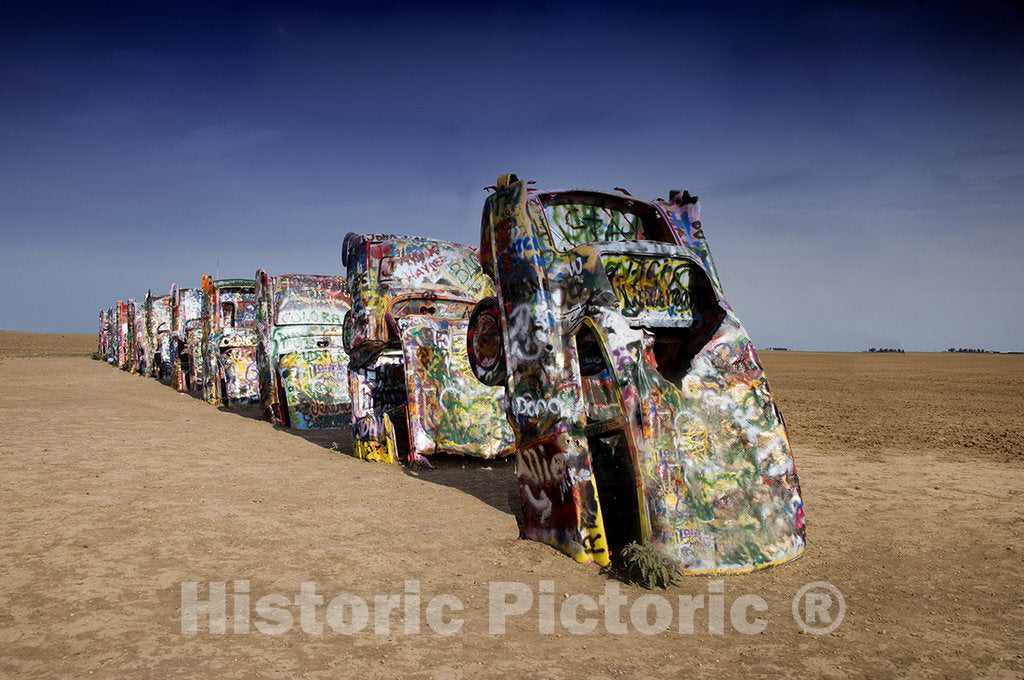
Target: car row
{"x":588,"y":334}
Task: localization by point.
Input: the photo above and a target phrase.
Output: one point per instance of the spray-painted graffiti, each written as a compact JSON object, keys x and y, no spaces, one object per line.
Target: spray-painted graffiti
{"x":238,"y":373}
{"x":111,"y":335}
{"x":572,"y":224}
{"x":103,"y":334}
{"x":655,"y":288}
{"x":413,"y":390}
{"x":187,"y":368}
{"x":378,"y":392}
{"x":316,"y":388}
{"x":229,"y":341}
{"x":125,"y":357}
{"x":158,"y":330}
{"x":302,"y":366}
{"x":143,"y":350}
{"x":640,"y":407}
{"x":448,"y":409}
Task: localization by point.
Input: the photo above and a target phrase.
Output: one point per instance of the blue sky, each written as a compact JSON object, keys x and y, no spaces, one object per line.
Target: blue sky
{"x":860,"y":165}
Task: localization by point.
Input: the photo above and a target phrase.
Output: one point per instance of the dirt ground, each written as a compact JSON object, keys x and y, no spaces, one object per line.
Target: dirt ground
{"x":114,"y":490}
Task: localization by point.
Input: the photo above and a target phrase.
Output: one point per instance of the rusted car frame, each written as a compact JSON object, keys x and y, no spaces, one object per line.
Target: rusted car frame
{"x":413,"y":392}
{"x":641,"y":409}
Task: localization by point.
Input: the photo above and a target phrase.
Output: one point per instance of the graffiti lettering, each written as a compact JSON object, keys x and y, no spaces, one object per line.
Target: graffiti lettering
{"x":320,"y":408}
{"x":539,"y":467}
{"x":533,"y":408}
{"x":524,"y":334}
{"x":650,"y":284}
{"x":591,"y":543}
{"x":312,"y":316}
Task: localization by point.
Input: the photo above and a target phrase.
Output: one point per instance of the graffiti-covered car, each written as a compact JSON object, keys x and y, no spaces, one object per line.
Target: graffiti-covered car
{"x":125,"y":353}
{"x":158,"y":330}
{"x":301,"y":359}
{"x":103,"y":334}
{"x":112,"y":334}
{"x":413,"y":392}
{"x":229,"y":341}
{"x":641,"y":409}
{"x":186,"y":338}
{"x":142,"y":360}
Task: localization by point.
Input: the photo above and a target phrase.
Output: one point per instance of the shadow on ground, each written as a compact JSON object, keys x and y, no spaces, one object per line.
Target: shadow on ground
{"x":490,"y":481}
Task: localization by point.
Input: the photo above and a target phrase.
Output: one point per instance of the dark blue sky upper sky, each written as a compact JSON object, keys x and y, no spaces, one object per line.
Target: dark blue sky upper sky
{"x":860,"y":165}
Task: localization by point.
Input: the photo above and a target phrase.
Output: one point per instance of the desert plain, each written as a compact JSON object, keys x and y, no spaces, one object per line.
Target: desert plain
{"x":115,"y":490}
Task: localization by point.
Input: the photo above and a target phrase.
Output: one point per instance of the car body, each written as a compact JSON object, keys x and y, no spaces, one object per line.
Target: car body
{"x":229,"y":341}
{"x":641,"y":409}
{"x":112,"y":334}
{"x":158,"y":331}
{"x":103,"y":333}
{"x":413,"y":392}
{"x":142,"y":347}
{"x":301,"y":360}
{"x":186,"y":338}
{"x":126,"y":334}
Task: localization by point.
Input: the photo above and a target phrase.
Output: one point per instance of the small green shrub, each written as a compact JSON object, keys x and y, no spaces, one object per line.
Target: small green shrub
{"x":643,"y":565}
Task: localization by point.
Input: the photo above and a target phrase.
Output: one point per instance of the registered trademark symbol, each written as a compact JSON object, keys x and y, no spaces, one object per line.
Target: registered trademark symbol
{"x":819,"y":608}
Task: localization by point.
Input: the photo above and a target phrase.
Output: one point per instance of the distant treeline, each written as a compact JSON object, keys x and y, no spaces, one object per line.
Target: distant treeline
{"x":776,"y":349}
{"x":976,"y":350}
{"x":886,"y":349}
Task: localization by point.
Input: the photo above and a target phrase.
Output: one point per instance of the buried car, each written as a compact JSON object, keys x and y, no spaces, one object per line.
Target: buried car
{"x":103,"y":334}
{"x":641,"y":410}
{"x":229,"y":341}
{"x":413,"y":392}
{"x":125,"y":352}
{"x":112,"y":334}
{"x":301,"y":360}
{"x":158,"y":330}
{"x":142,"y":347}
{"x":186,"y":338}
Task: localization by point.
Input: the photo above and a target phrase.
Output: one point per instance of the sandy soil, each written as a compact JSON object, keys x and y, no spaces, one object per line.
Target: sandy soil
{"x":114,"y":490}
{"x":19,"y":344}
